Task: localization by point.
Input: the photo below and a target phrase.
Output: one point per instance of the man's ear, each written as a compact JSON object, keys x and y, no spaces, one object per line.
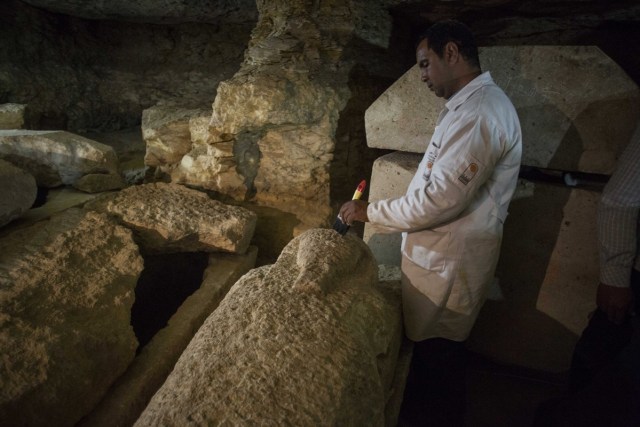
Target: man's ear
{"x":451,"y":53}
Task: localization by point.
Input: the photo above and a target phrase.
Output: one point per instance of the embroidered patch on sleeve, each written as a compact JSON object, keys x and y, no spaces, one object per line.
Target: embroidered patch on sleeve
{"x":468,"y":173}
{"x":432,"y":155}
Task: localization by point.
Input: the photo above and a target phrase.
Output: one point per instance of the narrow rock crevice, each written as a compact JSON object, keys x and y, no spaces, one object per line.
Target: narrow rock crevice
{"x":166,"y":281}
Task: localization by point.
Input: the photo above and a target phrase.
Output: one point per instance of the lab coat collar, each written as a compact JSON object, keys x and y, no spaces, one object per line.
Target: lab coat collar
{"x":463,"y":94}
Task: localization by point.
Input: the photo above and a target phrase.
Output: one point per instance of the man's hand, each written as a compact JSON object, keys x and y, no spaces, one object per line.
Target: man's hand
{"x":614,"y":301}
{"x":354,"y":210}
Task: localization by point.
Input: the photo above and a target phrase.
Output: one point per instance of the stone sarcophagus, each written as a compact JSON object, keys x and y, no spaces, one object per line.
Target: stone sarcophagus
{"x":310,"y":340}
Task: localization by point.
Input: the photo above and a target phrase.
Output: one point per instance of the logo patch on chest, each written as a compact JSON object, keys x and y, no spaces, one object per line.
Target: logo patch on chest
{"x":468,"y":173}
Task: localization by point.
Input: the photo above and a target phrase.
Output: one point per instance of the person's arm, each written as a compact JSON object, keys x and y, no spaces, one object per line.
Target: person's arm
{"x":618,"y":215}
{"x":467,"y":158}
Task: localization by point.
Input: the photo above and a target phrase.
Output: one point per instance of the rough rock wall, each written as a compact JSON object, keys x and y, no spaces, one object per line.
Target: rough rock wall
{"x":152,"y":10}
{"x":81,"y":74}
{"x":279,"y":113}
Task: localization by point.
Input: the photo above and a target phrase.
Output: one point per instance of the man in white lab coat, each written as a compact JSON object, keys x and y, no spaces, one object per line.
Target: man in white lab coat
{"x":452,"y":214}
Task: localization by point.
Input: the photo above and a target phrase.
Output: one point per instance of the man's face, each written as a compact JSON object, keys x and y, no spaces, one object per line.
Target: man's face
{"x":435,"y":71}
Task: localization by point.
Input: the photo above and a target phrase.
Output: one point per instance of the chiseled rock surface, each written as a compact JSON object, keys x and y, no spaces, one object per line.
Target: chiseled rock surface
{"x":12,"y":116}
{"x":311,"y":340}
{"x":18,"y":191}
{"x":173,"y":218}
{"x":66,"y":291}
{"x":57,"y":157}
{"x":573,"y":118}
{"x":165,"y":130}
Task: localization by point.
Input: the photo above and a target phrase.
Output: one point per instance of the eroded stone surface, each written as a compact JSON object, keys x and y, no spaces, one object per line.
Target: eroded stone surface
{"x":279,"y":350}
{"x":18,"y":191}
{"x":57,"y":157}
{"x":165,"y":130}
{"x":573,"y":117}
{"x":173,"y":218}
{"x":66,"y":291}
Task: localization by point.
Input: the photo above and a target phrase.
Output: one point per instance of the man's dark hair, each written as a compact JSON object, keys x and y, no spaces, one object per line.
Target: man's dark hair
{"x":443,"y":32}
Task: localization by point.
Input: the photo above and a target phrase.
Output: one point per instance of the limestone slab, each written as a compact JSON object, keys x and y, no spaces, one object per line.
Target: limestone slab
{"x":577,"y":107}
{"x":66,"y":292}
{"x":390,"y":177}
{"x":173,"y":218}
{"x":404,"y":116}
{"x":310,"y":340}
{"x":56,"y":157}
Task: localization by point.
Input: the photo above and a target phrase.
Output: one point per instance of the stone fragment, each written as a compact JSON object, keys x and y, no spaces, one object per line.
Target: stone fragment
{"x":18,"y":191}
{"x":575,"y":118}
{"x":56,"y":157}
{"x":165,"y":130}
{"x":273,"y":353}
{"x":173,"y":218}
{"x":66,"y":291}
{"x":12,"y":116}
{"x":99,"y":182}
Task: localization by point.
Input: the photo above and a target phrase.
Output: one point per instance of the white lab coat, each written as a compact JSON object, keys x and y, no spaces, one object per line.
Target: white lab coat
{"x":452,"y":213}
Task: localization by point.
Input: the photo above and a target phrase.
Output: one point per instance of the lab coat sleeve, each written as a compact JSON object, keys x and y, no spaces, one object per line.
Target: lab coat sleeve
{"x":469,"y":151}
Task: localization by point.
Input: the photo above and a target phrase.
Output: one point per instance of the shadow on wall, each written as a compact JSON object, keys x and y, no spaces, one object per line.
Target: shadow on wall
{"x":376,"y":69}
{"x":514,"y":329}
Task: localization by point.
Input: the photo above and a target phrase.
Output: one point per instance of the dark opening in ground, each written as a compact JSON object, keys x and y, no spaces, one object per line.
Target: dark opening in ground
{"x":166,"y":281}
